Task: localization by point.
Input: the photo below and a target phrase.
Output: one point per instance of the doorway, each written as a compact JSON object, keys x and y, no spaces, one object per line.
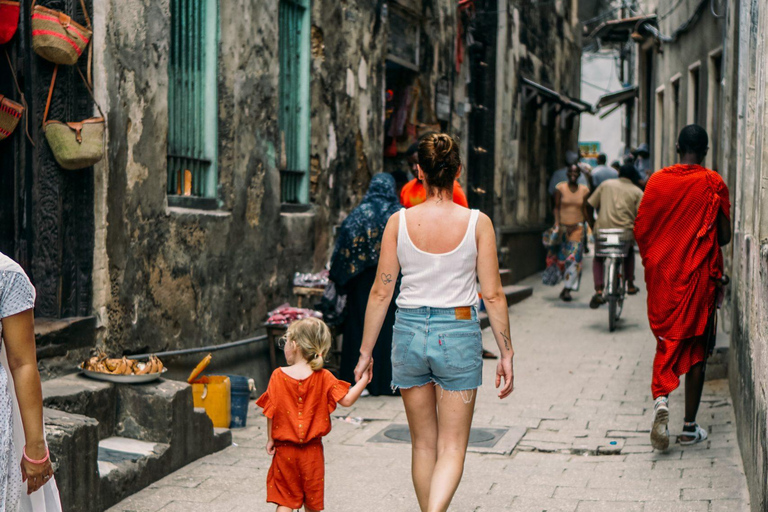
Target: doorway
{"x":46,"y":213}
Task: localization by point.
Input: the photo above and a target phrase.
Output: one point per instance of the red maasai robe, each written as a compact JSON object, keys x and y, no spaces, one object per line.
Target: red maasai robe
{"x":676,"y":232}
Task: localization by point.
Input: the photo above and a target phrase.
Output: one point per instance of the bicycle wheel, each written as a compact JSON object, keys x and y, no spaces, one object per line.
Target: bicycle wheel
{"x":621,"y":289}
{"x":612,"y":285}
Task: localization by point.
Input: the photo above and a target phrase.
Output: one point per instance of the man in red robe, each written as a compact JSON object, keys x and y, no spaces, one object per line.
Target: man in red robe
{"x":682,"y":221}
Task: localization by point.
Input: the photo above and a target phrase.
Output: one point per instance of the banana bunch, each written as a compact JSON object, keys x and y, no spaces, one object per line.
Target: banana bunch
{"x":123,"y":366}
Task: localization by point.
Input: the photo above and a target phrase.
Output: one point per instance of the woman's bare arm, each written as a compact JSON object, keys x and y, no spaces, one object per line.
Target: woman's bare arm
{"x":556,"y":211}
{"x":381,"y":294}
{"x":19,"y":338}
{"x":495,"y":301}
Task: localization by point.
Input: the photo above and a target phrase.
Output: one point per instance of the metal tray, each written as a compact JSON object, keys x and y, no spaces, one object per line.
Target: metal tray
{"x":122,"y":379}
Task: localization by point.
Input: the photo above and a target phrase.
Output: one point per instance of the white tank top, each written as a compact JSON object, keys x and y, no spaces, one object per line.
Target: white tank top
{"x":446,"y":280}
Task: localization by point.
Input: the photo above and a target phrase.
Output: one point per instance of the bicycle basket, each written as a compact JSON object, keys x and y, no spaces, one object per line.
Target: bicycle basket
{"x":613,"y":242}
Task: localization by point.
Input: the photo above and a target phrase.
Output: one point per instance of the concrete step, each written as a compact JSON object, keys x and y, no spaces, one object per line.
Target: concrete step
{"x":506,"y":276}
{"x":514,"y":295}
{"x":113,"y":440}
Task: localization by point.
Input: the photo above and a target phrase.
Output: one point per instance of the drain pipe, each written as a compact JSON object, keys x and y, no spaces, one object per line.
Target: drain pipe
{"x":197,"y":350}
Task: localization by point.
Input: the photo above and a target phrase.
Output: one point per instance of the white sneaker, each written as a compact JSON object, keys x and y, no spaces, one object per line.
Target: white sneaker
{"x":660,"y":428}
{"x":697,"y":436}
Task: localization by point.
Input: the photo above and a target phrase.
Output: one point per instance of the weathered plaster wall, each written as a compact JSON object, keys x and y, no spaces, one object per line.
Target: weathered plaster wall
{"x":672,"y":64}
{"x":544,"y":45}
{"x":184,"y":277}
{"x":175,"y":278}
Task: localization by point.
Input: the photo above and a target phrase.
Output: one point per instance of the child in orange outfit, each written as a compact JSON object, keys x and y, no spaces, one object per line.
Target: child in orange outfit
{"x":298,"y":404}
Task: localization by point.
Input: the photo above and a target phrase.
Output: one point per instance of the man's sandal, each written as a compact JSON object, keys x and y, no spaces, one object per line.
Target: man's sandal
{"x":694,"y":436}
{"x":632,"y":290}
{"x":660,"y":428}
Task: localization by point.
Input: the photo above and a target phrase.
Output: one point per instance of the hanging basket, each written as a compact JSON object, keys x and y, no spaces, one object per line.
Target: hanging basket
{"x":9,"y":19}
{"x":10,"y":114}
{"x":75,"y":145}
{"x":58,"y":38}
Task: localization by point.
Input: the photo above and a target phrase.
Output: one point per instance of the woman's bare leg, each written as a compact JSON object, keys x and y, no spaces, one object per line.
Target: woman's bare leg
{"x":281,"y":508}
{"x":421,"y":410}
{"x":454,"y":417}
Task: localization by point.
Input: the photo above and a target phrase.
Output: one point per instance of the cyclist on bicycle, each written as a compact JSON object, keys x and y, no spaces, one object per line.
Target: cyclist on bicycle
{"x":616,"y":201}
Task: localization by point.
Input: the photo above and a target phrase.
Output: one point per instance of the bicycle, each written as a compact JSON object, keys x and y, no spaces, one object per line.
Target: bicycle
{"x":614,"y":246}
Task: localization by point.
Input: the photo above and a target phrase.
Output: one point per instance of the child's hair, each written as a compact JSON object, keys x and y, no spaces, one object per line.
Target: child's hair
{"x":313,"y":338}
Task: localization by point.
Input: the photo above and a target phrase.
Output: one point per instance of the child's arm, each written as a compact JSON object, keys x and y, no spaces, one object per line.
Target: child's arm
{"x":355,"y":391}
{"x":270,"y":441}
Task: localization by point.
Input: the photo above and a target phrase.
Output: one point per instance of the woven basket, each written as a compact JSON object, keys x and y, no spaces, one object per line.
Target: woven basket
{"x":10,"y":114}
{"x":56,"y":37}
{"x":76,"y":145}
{"x":9,"y":19}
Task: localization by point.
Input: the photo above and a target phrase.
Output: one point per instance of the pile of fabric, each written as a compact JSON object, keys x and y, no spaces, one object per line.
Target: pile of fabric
{"x":286,"y":315}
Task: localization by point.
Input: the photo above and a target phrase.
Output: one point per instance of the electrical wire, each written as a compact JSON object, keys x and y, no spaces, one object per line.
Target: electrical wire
{"x":712,"y":10}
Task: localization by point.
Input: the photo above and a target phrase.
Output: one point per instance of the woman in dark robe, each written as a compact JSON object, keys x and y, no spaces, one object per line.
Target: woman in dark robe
{"x":353,"y":271}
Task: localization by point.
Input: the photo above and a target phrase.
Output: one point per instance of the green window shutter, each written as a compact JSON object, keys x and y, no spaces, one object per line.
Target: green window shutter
{"x":192,"y":98}
{"x":294,"y":99}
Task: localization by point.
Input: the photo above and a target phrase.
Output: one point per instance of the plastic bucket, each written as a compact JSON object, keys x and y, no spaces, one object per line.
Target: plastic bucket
{"x":212,"y":393}
{"x":241,"y":397}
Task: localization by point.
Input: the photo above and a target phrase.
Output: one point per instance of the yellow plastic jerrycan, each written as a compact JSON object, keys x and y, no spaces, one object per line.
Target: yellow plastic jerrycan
{"x":212,"y":392}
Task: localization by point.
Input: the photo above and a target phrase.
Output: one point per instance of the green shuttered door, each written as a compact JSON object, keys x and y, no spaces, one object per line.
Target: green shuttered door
{"x":294,"y":99}
{"x":192,"y":98}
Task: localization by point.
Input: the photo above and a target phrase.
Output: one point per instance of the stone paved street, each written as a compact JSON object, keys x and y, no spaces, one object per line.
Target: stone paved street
{"x":582,"y":396}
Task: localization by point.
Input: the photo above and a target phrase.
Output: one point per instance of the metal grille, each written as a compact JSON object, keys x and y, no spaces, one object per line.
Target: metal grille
{"x":190,"y":95}
{"x":294,"y":99}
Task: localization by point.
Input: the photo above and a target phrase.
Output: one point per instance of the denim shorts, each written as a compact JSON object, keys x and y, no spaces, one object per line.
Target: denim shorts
{"x":432,"y":345}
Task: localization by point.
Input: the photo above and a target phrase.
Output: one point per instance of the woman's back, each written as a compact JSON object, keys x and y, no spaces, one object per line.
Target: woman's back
{"x":437,"y":252}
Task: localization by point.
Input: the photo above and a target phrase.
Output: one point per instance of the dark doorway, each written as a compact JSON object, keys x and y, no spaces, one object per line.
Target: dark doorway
{"x":482,"y":94}
{"x":46,"y":213}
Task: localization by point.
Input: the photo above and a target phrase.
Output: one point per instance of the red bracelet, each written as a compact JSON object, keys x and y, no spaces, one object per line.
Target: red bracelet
{"x":33,"y":461}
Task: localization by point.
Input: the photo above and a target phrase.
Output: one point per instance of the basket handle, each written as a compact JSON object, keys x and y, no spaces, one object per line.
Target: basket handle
{"x":85,"y":13}
{"x":21,"y":97}
{"x":53,"y":83}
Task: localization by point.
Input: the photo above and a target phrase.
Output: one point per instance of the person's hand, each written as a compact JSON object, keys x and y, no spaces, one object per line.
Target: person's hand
{"x":368,"y":375}
{"x":271,"y":447}
{"x":36,"y":475}
{"x":504,"y":371}
{"x":363,"y":366}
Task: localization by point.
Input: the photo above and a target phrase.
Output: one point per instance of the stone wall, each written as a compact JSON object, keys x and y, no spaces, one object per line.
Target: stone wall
{"x":168,"y":277}
{"x":543,"y":45}
{"x":748,"y":301}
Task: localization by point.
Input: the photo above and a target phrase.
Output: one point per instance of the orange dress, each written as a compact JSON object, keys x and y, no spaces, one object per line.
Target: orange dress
{"x":414,"y":193}
{"x":301,"y":415}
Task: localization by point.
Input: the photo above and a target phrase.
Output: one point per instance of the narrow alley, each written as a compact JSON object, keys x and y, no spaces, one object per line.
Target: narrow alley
{"x":581,"y":403}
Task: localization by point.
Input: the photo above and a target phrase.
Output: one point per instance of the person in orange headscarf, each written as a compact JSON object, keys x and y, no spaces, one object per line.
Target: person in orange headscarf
{"x":682,"y":221}
{"x":414,"y":193}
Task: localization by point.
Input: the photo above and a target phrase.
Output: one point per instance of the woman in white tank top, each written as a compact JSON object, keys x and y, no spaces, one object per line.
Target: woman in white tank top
{"x":441,"y":249}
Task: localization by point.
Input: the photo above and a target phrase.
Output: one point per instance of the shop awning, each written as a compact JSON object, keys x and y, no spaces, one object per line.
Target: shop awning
{"x":619,"y":31}
{"x":548,"y":95}
{"x":618,"y":97}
